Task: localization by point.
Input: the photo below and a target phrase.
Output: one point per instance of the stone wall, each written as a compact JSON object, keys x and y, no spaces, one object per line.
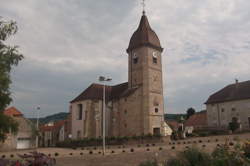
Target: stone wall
{"x":221,"y":114}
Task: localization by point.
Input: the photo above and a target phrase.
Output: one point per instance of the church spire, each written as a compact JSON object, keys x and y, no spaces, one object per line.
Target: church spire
{"x":143,"y":7}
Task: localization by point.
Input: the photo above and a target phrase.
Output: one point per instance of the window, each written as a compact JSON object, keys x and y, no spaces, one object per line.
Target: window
{"x":154,"y":58}
{"x":157,"y":131}
{"x":233,"y":109}
{"x":156,"y":110}
{"x":135,"y":59}
{"x":222,"y":110}
{"x":125,"y":112}
{"x":79,"y":112}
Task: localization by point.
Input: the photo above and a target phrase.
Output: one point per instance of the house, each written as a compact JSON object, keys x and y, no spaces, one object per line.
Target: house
{"x":25,"y":138}
{"x":229,"y":104}
{"x":173,"y":124}
{"x":53,"y":132}
{"x":198,"y":121}
{"x":132,"y":108}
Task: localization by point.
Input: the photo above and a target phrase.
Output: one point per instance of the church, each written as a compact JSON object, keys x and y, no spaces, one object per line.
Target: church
{"x":132,"y":108}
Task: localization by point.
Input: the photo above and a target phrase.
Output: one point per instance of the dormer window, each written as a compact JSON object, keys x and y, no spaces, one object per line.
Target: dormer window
{"x":154,"y":57}
{"x":135,"y":59}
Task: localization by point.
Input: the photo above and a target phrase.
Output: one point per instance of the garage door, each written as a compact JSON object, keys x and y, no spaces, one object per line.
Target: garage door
{"x":23,"y":143}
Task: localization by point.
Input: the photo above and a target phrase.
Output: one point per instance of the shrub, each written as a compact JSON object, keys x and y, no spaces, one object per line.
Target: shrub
{"x":56,"y":154}
{"x":221,"y":156}
{"x":11,"y":156}
{"x":132,"y":150}
{"x":173,"y":147}
{"x":81,"y":153}
{"x":246,"y":149}
{"x":233,"y":126}
{"x":160,"y":148}
{"x":149,"y":163}
{"x":90,"y":152}
{"x":123,"y":151}
{"x":191,"y":157}
{"x":148,"y":149}
{"x":112,"y":151}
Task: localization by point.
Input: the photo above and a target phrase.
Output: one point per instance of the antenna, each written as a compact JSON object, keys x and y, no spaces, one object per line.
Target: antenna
{"x":143,"y":6}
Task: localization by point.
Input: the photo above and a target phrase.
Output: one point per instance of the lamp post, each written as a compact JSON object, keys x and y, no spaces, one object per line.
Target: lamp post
{"x":103,"y":79}
{"x":37,"y":125}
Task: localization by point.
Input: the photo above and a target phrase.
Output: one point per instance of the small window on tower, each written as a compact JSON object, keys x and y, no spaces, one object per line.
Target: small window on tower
{"x":156,"y":110}
{"x":135,"y":59}
{"x":154,"y":57}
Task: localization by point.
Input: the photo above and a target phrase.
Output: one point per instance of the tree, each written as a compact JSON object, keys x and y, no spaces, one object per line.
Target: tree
{"x":190,"y":112}
{"x":9,"y":57}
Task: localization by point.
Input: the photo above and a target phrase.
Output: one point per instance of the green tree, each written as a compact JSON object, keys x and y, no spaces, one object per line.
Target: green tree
{"x":9,"y":57}
{"x":190,"y":112}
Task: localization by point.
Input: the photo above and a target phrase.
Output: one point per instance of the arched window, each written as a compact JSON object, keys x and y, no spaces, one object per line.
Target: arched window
{"x":135,"y":58}
{"x":155,"y":57}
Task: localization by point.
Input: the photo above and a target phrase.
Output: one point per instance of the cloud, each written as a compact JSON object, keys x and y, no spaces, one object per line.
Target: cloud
{"x":68,"y":43}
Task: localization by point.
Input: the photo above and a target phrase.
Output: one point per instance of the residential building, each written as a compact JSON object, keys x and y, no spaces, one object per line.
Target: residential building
{"x":228,"y":104}
{"x":24,"y":138}
{"x":133,"y":108}
{"x":196,"y":122}
{"x":53,"y":132}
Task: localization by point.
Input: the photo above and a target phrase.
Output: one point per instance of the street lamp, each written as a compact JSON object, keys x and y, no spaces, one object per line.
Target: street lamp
{"x":37,"y":125}
{"x":103,"y":79}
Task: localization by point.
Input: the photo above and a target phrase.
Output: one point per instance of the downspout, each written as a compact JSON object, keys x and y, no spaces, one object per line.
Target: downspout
{"x":218,"y":111}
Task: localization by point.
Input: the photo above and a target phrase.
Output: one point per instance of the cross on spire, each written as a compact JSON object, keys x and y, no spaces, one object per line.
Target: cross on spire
{"x":143,"y":6}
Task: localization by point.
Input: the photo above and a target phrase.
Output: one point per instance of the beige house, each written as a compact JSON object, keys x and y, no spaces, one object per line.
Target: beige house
{"x":53,"y":132}
{"x":133,"y":108}
{"x":25,"y":138}
{"x":230,"y":103}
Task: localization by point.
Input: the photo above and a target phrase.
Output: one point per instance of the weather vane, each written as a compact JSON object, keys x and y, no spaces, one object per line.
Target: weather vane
{"x":143,"y":6}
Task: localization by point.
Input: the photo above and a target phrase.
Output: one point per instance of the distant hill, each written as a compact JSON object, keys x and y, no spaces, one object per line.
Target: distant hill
{"x":51,"y":118}
{"x":174,"y":116}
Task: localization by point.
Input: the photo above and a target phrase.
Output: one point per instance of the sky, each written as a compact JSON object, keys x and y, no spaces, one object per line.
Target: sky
{"x":68,"y":44}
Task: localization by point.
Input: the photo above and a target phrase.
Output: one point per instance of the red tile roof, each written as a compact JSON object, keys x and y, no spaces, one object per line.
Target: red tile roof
{"x":12,"y":111}
{"x":95,"y":91}
{"x":56,"y":126}
{"x":173,"y":124}
{"x":198,"y":119}
{"x":236,"y":91}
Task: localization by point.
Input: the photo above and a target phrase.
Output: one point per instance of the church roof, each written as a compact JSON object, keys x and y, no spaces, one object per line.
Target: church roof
{"x":236,"y":91}
{"x":144,"y":36}
{"x":95,"y":92}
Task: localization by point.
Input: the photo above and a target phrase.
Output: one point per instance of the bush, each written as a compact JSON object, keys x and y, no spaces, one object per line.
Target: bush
{"x":191,"y":157}
{"x":149,"y":163}
{"x":221,"y":156}
{"x":233,"y":126}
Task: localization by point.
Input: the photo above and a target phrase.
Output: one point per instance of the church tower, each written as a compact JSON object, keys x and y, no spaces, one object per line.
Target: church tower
{"x":145,"y":75}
